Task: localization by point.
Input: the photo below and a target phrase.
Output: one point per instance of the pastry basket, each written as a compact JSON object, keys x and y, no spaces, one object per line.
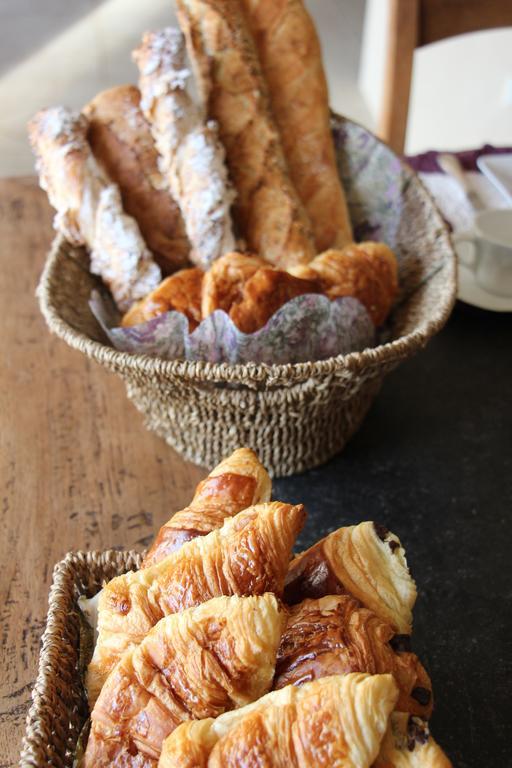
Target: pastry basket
{"x":294,"y":416}
{"x":59,"y":707}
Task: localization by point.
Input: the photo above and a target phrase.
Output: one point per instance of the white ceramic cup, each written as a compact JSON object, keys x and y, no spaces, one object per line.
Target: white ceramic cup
{"x":490,"y":257}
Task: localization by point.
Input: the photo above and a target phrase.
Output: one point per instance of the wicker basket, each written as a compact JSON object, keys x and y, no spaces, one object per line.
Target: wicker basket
{"x":295,"y":416}
{"x":59,"y":708}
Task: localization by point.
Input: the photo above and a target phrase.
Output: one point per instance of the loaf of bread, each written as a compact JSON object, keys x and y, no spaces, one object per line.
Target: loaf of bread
{"x":122,"y":143}
{"x":268,"y":210}
{"x":291,"y":59}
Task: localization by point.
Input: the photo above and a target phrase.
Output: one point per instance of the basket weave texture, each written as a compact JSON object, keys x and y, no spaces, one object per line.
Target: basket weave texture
{"x":294,"y":416}
{"x":59,"y":705}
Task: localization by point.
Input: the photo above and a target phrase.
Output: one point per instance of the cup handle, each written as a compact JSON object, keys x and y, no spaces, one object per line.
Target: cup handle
{"x":468,"y":258}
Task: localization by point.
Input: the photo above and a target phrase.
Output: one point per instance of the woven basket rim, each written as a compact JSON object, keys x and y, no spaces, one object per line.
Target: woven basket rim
{"x":61,"y":595}
{"x":259,"y":372}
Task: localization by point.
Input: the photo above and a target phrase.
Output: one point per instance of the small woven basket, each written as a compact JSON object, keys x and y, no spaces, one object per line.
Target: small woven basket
{"x":59,"y":705}
{"x":294,"y":416}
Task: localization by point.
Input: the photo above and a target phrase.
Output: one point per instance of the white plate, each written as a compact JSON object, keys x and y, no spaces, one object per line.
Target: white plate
{"x":498,"y":169}
{"x":471,"y":292}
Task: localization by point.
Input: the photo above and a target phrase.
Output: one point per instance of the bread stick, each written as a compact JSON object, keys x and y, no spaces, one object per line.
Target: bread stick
{"x":191,"y":157}
{"x":291,"y":60}
{"x":268,"y":210}
{"x":89,"y":207}
{"x":122,"y":143}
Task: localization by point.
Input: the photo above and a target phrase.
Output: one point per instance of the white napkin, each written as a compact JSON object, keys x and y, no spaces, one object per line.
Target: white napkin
{"x":452,"y":201}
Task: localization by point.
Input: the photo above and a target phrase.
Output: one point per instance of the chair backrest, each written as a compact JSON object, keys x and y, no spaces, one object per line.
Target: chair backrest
{"x":414,"y":23}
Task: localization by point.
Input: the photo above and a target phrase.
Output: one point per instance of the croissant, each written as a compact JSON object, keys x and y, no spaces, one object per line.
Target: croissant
{"x":367,"y":271}
{"x":224,"y":282}
{"x":268,"y":209}
{"x":238,"y":482}
{"x":335,"y":635}
{"x":264,"y":293}
{"x":249,"y":555}
{"x":249,"y":291}
{"x":291,"y":59}
{"x":365,"y":561}
{"x":337,"y":722}
{"x":191,"y":157}
{"x":180,"y":292}
{"x":121,"y":141}
{"x":89,"y":208}
{"x":194,"y":664}
{"x":408,"y":744}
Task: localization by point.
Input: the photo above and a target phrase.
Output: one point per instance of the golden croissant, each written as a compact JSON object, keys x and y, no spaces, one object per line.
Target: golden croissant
{"x":249,"y":555}
{"x":365,"y":561}
{"x":194,"y":664}
{"x":408,"y":744}
{"x":336,"y":722}
{"x":238,"y":482}
{"x":180,"y":292}
{"x":335,"y":635}
{"x":367,"y":271}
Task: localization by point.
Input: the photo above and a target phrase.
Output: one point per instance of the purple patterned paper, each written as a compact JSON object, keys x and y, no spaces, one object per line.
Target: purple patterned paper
{"x":306,"y":328}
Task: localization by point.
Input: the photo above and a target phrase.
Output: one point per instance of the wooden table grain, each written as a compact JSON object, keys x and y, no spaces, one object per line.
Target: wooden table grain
{"x":78,"y":470}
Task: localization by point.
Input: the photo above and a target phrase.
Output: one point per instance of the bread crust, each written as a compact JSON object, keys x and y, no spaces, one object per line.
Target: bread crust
{"x":121,"y":141}
{"x":291,"y":60}
{"x":268,"y":210}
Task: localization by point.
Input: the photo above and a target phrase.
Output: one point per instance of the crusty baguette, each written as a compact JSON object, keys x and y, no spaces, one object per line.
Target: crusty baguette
{"x":268,"y":210}
{"x":191,"y":156}
{"x":121,"y":141}
{"x":291,"y":59}
{"x":89,"y":207}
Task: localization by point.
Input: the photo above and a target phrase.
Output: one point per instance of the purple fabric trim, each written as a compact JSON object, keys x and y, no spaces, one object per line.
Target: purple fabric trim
{"x":426,"y":162}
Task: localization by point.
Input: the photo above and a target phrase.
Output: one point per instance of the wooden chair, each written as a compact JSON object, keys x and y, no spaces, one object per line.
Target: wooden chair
{"x":413,"y":23}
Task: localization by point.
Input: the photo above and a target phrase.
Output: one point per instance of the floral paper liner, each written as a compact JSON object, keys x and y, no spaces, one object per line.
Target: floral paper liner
{"x":307,"y":328}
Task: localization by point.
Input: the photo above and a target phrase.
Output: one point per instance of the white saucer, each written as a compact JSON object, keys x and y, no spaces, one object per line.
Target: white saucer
{"x":472,"y":293}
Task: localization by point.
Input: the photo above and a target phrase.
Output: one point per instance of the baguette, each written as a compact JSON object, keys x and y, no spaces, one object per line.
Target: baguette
{"x":291,"y":59}
{"x":268,"y":210}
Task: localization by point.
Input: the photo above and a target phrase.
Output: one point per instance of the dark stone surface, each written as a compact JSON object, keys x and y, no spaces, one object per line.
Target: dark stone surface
{"x":433,"y":462}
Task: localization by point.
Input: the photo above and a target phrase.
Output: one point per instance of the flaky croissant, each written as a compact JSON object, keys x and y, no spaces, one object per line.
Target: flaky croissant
{"x":291,"y":59}
{"x":264,"y":293}
{"x":365,"y":561}
{"x":238,"y":482}
{"x":247,"y":289}
{"x":180,"y":292}
{"x":249,"y":555}
{"x":336,"y":722}
{"x":267,"y":209}
{"x":121,"y":141}
{"x":335,"y":635}
{"x":408,"y":744}
{"x":195,"y":664}
{"x":367,"y":271}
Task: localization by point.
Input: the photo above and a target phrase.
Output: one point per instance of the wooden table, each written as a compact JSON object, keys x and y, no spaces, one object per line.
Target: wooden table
{"x":432,"y":462}
{"x":78,"y":470}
